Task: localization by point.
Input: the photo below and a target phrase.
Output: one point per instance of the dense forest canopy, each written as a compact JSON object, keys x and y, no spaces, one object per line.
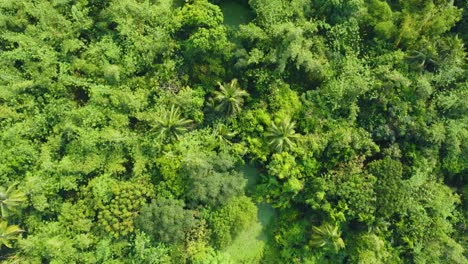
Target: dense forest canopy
{"x":259,"y":131}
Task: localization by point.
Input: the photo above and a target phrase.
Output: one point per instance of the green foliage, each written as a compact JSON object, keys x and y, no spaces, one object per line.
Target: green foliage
{"x":282,"y":136}
{"x":408,"y":22}
{"x":170,"y":125}
{"x":120,"y":143}
{"x":145,"y":253}
{"x":211,"y":177}
{"x":52,"y":242}
{"x":349,"y":185}
{"x":283,"y":166}
{"x":327,"y":236}
{"x":10,"y":198}
{"x":8,"y":233}
{"x":229,"y":98}
{"x":227,"y":222}
{"x":284,"y":100}
{"x":203,"y":39}
{"x":166,"y":220}
{"x":389,"y":175}
{"x":369,"y":248}
{"x":117,"y":203}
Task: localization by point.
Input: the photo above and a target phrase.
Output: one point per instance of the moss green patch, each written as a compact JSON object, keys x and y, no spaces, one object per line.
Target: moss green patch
{"x":236,"y":14}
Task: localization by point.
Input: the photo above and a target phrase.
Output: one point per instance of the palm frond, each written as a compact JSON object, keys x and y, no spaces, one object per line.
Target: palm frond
{"x":282,"y":136}
{"x":229,"y":98}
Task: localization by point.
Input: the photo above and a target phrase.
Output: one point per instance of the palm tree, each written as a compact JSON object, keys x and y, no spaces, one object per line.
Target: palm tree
{"x":229,"y":98}
{"x":223,"y":133}
{"x":8,"y":233}
{"x":282,"y":136}
{"x":327,"y":236}
{"x":170,"y":124}
{"x":10,"y":198}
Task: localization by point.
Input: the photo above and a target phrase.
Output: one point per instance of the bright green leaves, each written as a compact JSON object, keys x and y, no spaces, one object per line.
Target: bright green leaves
{"x":354,"y":190}
{"x":8,"y":233}
{"x":294,"y":185}
{"x":455,"y":158}
{"x":337,"y":11}
{"x":343,"y":92}
{"x":281,"y":136}
{"x":414,"y":207}
{"x":97,"y":115}
{"x":406,"y":23}
{"x":284,"y":182}
{"x":51,"y":242}
{"x":347,"y":143}
{"x":143,"y":35}
{"x":283,"y":165}
{"x":369,"y":248}
{"x":170,"y":125}
{"x":224,"y":133}
{"x":285,"y":39}
{"x":146,"y":253}
{"x":327,"y":236}
{"x":10,"y":198}
{"x":200,"y":13}
{"x":230,"y":98}
{"x":271,"y":12}
{"x":204,"y":40}
{"x":304,"y":53}
{"x":117,"y":203}
{"x":201,"y":169}
{"x":288,"y":48}
{"x":380,"y":15}
{"x":227,"y":222}
{"x":283,"y":100}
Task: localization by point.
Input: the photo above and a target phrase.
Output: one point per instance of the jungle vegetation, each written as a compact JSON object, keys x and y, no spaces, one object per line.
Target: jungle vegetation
{"x":240,"y":131}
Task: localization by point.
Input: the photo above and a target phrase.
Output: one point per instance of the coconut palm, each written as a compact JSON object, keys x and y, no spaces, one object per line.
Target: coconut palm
{"x":282,"y":136}
{"x":10,"y":198}
{"x":327,"y":236}
{"x":8,"y":233}
{"x":170,"y":124}
{"x":229,"y":98}
{"x":223,"y":133}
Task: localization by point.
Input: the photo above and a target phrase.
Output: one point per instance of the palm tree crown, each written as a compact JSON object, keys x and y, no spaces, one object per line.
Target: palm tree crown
{"x":282,"y":136}
{"x":8,"y":233}
{"x":170,"y":124}
{"x":230,"y":98}
{"x":327,"y":236}
{"x":223,"y":133}
{"x":10,"y":198}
